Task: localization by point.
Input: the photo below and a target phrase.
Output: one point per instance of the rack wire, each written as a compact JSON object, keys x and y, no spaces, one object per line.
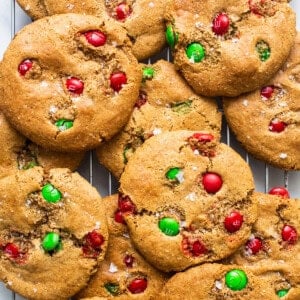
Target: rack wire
{"x":12,"y":19}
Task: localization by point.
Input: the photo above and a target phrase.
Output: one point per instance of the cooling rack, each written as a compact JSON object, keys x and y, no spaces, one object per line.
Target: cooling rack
{"x":12,"y":19}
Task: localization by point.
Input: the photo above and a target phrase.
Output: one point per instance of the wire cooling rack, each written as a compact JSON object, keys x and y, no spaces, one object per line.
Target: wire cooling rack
{"x":12,"y":19}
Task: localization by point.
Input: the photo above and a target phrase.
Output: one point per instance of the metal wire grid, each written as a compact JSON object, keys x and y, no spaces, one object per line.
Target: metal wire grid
{"x":265,"y":175}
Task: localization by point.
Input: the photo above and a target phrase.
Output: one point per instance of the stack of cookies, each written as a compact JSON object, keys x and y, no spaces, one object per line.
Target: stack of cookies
{"x":186,"y":222}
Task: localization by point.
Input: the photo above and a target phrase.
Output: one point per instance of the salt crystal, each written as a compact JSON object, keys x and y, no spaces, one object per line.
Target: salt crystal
{"x":70,"y":6}
{"x":196,"y":152}
{"x":156,"y":131}
{"x":113,"y":268}
{"x":97,"y":225}
{"x":179,"y":177}
{"x":218,"y":285}
{"x":151,"y":4}
{"x":245,"y":102}
{"x":191,"y":196}
{"x":34,"y":290}
{"x":53,"y":109}
{"x":283,"y":155}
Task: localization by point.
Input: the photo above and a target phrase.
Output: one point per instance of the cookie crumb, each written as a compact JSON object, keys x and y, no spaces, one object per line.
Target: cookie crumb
{"x":9,"y":283}
{"x":113,"y":268}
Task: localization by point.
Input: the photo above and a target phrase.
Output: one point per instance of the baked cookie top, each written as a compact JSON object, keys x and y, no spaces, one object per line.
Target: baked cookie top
{"x":142,"y":19}
{"x":275,"y":234}
{"x":216,"y":281}
{"x":182,"y":201}
{"x":124,"y":273}
{"x":68,"y":82}
{"x":273,"y":249}
{"x":226,"y":48}
{"x":17,"y":152}
{"x":165,"y":103}
{"x":53,"y":233}
{"x":267,"y":121}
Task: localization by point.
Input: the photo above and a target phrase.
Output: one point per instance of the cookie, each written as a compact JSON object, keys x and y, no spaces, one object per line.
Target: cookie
{"x":267,"y":121}
{"x":226,"y":48}
{"x":283,"y":278}
{"x":165,"y":103}
{"x":142,"y":19}
{"x":75,"y":94}
{"x":275,"y":234}
{"x":124,"y":274}
{"x":216,"y":281}
{"x":273,"y":249}
{"x":182,"y":201}
{"x":53,"y":233}
{"x":17,"y":152}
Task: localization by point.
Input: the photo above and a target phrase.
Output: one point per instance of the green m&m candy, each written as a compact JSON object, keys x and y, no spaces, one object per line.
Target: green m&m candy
{"x":173,"y":173}
{"x":282,"y":293}
{"x":50,"y":193}
{"x":148,"y":73}
{"x":171,"y":36}
{"x":112,"y":288}
{"x":236,"y":280}
{"x":63,"y":124}
{"x":169,"y":226}
{"x":263,"y":50}
{"x":51,"y":242}
{"x":195,"y":52}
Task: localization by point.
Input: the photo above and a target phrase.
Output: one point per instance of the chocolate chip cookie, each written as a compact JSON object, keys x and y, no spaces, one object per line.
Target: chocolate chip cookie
{"x":17,"y":152}
{"x":182,"y":202}
{"x":124,"y":274}
{"x":267,"y":121}
{"x":216,"y":281}
{"x":142,"y":19}
{"x":69,"y":82}
{"x":53,"y":233}
{"x":226,"y":48}
{"x":165,"y":103}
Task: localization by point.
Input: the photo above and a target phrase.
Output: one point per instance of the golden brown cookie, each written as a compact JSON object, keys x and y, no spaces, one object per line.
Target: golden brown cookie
{"x":124,"y":274}
{"x":142,"y":19}
{"x":215,"y":281}
{"x":275,"y":234}
{"x":69,"y":82}
{"x":182,"y":201}
{"x":53,"y":233}
{"x":17,"y":152}
{"x":267,"y":121}
{"x":273,"y":249}
{"x":165,"y":103}
{"x":226,"y":48}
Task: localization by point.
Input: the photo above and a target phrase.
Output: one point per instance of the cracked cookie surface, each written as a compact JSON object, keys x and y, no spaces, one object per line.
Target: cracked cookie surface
{"x":267,"y":121}
{"x":273,"y":249}
{"x":182,"y":202}
{"x":165,"y":103}
{"x":226,"y":48}
{"x":53,"y":233}
{"x":216,"y":281}
{"x":69,"y":82}
{"x":142,"y":19}
{"x":17,"y":152}
{"x":124,"y":273}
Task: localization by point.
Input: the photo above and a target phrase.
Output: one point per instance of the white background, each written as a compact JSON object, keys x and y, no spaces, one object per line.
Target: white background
{"x":12,"y":19}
